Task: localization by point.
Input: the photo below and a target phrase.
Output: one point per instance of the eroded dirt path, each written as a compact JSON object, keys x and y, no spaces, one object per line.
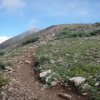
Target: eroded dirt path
{"x":24,"y":85}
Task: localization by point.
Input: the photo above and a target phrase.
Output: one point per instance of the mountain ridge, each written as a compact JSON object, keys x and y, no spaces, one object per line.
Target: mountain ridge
{"x":48,"y":33}
{"x":17,"y":38}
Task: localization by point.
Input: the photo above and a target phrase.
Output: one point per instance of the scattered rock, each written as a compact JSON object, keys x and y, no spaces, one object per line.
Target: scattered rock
{"x":32,"y":98}
{"x":65,"y":96}
{"x":67,"y":54}
{"x":86,"y":86}
{"x":44,"y":87}
{"x":44,"y":42}
{"x":54,"y":83}
{"x":3,"y":96}
{"x":98,"y":61}
{"x":45,"y":73}
{"x":77,"y":80}
{"x":97,"y":84}
{"x":21,"y":62}
{"x":13,"y":80}
{"x":9,"y":68}
{"x":60,"y":59}
{"x":85,"y":94}
{"x":52,"y":61}
{"x":47,"y":78}
{"x":65,"y":84}
{"x":75,"y":61}
{"x":19,"y":74}
{"x":27,"y":62}
{"x":18,"y":66}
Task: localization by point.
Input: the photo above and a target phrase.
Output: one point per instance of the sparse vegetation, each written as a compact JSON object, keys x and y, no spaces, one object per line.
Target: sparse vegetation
{"x":75,"y":52}
{"x":30,"y":40}
{"x":71,"y":33}
{"x":14,"y":52}
{"x":2,"y":53}
{"x":4,"y":64}
{"x":97,"y":24}
{"x":72,"y":57}
{"x":3,"y":82}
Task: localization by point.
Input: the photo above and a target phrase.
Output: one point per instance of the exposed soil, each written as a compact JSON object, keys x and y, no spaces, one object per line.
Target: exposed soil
{"x":25,"y":86}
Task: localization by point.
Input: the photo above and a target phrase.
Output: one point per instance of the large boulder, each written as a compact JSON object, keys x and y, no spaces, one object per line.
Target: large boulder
{"x":45,"y":73}
{"x":77,"y":80}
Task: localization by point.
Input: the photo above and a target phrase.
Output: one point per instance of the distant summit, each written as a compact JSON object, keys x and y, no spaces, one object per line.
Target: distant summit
{"x":17,"y":39}
{"x":3,"y":38}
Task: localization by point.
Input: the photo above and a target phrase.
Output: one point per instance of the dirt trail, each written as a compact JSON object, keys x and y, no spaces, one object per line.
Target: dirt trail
{"x":25,"y":86}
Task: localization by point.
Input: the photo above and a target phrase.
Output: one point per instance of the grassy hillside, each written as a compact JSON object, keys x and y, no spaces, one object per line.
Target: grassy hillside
{"x":72,"y":57}
{"x":73,"y":32}
{"x":55,"y":31}
{"x":68,"y":51}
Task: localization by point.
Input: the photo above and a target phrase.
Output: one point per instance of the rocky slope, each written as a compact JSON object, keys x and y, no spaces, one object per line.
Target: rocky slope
{"x":49,"y":33}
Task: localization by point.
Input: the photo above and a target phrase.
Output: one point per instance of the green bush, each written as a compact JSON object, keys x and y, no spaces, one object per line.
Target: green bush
{"x":2,"y":53}
{"x":4,"y":64}
{"x":30,"y":40}
{"x":97,"y":24}
{"x":97,"y":32}
{"x":71,"y":33}
{"x":2,"y":81}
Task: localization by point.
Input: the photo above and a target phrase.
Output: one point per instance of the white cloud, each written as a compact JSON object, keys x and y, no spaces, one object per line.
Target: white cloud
{"x":12,"y":4}
{"x":3,"y":38}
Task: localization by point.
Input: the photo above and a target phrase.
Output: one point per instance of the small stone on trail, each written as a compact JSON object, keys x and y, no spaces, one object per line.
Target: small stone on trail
{"x":65,"y":96}
{"x":85,"y":94}
{"x":44,"y":87}
{"x":27,"y":62}
{"x":54,"y":83}
{"x":9,"y":68}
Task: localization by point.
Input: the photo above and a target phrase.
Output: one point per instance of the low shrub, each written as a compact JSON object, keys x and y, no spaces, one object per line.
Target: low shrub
{"x":4,"y":64}
{"x":3,"y":82}
{"x":71,"y":33}
{"x":30,"y":40}
{"x":97,"y":24}
{"x":2,"y":53}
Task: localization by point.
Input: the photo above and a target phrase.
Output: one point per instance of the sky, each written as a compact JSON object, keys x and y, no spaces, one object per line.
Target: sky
{"x":17,"y":16}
